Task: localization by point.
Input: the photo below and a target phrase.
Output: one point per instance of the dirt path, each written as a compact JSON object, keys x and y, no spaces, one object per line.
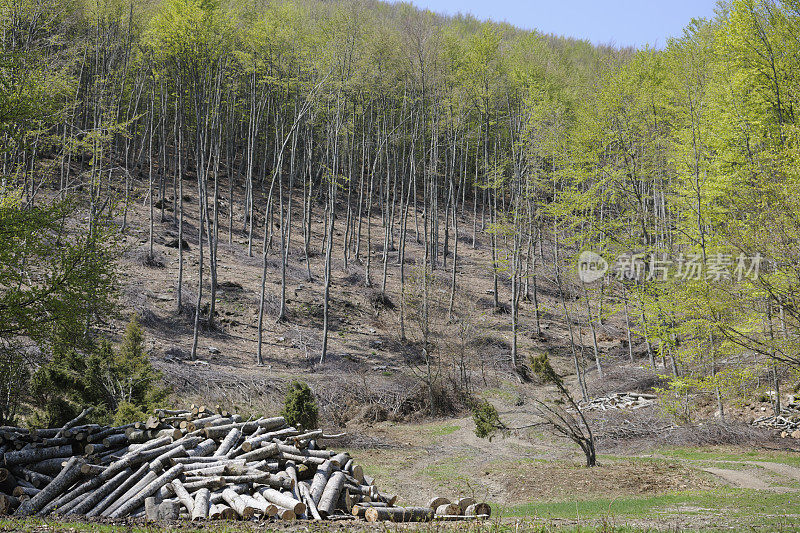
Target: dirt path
{"x":739,"y":478}
{"x":783,"y":470}
{"x":750,"y":478}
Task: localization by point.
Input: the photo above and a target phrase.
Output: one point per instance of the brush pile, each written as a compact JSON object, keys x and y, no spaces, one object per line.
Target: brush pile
{"x":198,"y":465}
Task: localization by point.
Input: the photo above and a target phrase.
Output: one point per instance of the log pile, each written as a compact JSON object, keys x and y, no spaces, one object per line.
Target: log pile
{"x":787,"y":422}
{"x":619,"y":400}
{"x":194,"y":465}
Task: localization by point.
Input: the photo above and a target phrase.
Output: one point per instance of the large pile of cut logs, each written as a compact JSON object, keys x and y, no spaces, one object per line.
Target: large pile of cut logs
{"x":619,"y":400}
{"x":195,"y":464}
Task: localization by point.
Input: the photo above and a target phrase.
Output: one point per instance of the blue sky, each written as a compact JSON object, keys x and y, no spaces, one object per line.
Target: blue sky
{"x":621,"y":22}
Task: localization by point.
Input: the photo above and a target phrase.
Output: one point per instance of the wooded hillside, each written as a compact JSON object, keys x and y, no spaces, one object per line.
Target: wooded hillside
{"x":354,"y":131}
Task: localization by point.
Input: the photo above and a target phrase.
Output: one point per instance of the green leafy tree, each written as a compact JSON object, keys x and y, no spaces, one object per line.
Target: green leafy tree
{"x":54,"y":284}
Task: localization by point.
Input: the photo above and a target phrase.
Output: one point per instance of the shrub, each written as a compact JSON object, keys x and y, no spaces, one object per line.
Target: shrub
{"x":300,"y":408}
{"x":487,"y":419}
{"x":127,"y":413}
{"x":121,"y":385}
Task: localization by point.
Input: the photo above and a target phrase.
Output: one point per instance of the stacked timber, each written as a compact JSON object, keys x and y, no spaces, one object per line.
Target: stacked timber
{"x":619,"y":400}
{"x":193,"y":464}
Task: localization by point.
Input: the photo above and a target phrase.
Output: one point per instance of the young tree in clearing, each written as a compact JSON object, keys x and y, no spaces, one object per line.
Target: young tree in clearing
{"x":563,"y":421}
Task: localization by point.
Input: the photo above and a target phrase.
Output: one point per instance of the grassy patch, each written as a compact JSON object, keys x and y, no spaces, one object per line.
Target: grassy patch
{"x":443,"y":431}
{"x":738,"y":506}
{"x":447,"y":473}
{"x":500,"y":394}
{"x":732,"y":455}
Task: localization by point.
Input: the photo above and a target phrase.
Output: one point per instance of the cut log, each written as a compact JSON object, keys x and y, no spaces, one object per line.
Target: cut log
{"x":286,"y":514}
{"x":100,"y":493}
{"x":33,"y":455}
{"x":438,"y":501}
{"x":151,"y":508}
{"x":203,"y":449}
{"x":206,"y":483}
{"x":8,"y":504}
{"x":225,"y":513}
{"x":269,"y":509}
{"x":311,"y":506}
{"x":38,"y":480}
{"x":7,"y":481}
{"x":148,"y":490}
{"x":320,"y":480}
{"x":360,"y":508}
{"x":119,"y":491}
{"x":92,"y":470}
{"x":115,"y":440}
{"x":399,"y":514}
{"x":358,"y":473}
{"x":260,"y":505}
{"x":160,"y":462}
{"x":283,"y":499}
{"x":329,"y":500}
{"x":228,"y":442}
{"x":169,"y":510}
{"x":268,"y":450}
{"x":19,"y":490}
{"x":183,"y":495}
{"x":63,"y":481}
{"x":341,"y":459}
{"x":463,"y":503}
{"x":48,"y":467}
{"x":145,"y":480}
{"x":245,"y":511}
{"x":200,"y":507}
{"x":448,"y":509}
{"x":215,"y":512}
{"x":478,"y":509}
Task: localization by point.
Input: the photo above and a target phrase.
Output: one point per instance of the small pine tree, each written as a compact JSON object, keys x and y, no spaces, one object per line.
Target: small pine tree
{"x":300,"y":408}
{"x":120,"y":384}
{"x":487,"y":419}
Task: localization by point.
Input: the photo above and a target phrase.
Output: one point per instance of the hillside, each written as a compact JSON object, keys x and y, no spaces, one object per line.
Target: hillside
{"x":494,"y":255}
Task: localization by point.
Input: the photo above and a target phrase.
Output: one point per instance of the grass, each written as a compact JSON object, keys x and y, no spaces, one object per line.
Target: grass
{"x":738,"y":506}
{"x":36,"y":525}
{"x":726,"y":454}
{"x":447,"y":473}
{"x":500,"y":394}
{"x":443,"y":431}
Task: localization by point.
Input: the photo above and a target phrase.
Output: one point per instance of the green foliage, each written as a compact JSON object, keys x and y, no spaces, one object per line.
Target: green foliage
{"x":300,"y":408}
{"x":127,"y":413}
{"x":487,"y":419}
{"x":120,"y":384}
{"x":53,"y":285}
{"x":541,"y":368}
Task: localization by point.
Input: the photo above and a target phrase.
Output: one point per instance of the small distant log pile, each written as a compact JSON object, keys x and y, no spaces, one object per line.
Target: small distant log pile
{"x":619,"y":400}
{"x":787,"y":422}
{"x":194,"y":465}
